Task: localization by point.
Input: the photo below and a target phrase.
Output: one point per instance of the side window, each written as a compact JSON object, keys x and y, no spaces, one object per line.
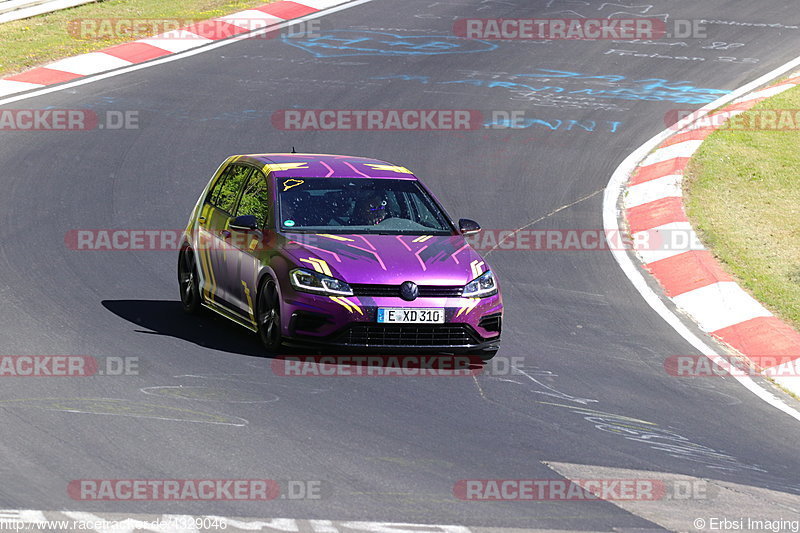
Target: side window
{"x":229,"y":189}
{"x":213,"y":195}
{"x":255,"y":199}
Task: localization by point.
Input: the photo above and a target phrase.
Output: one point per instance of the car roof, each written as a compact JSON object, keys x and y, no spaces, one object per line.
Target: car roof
{"x":326,"y":166}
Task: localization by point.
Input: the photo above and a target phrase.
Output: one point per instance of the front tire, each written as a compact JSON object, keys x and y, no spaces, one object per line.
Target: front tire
{"x":269,"y":316}
{"x":189,"y":282}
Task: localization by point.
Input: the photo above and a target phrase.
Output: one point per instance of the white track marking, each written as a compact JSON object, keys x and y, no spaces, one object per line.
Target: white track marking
{"x":650,"y":191}
{"x":12,"y":87}
{"x":684,"y":149}
{"x":321,"y":4}
{"x":87,"y":64}
{"x":771,"y":91}
{"x":251,"y":19}
{"x":720,"y":305}
{"x":176,"y":41}
{"x":666,"y":241}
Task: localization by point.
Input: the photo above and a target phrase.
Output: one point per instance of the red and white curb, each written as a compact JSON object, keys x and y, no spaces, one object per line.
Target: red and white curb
{"x":165,"y":44}
{"x":690,"y":276}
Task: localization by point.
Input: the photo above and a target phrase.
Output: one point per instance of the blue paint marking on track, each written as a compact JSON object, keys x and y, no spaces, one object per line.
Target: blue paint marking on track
{"x":616,"y":87}
{"x":590,"y":126}
{"x":339,"y":43}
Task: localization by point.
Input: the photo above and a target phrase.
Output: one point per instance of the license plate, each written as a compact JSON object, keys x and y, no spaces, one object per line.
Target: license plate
{"x":400,"y":315}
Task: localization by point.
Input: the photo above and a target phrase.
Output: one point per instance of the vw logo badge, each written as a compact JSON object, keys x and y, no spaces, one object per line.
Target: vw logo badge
{"x":409,"y":291}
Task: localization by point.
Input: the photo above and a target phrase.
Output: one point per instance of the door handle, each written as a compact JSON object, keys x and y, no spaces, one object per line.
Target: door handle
{"x":225,"y":234}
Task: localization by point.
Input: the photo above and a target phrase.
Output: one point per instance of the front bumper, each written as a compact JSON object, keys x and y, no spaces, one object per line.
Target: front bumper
{"x":470,"y":324}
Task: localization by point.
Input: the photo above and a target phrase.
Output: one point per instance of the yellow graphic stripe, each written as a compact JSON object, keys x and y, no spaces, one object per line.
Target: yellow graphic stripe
{"x":390,"y":168}
{"x":335,"y":237}
{"x":340,"y":302}
{"x":201,"y":255}
{"x":422,"y":238}
{"x":319,"y":265}
{"x":212,"y":277}
{"x":347,"y":304}
{"x":249,"y":302}
{"x":466,"y":308}
{"x":205,"y":259}
{"x":204,"y":265}
{"x":278,"y":167}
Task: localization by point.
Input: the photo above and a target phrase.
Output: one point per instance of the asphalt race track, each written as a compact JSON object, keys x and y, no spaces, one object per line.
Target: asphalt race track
{"x":206,"y":404}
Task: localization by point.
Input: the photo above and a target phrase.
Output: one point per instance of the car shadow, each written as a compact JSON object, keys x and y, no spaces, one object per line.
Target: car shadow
{"x":166,"y":317}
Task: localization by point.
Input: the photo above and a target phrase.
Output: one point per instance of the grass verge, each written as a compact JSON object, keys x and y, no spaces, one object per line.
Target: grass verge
{"x":45,"y":38}
{"x":742,"y":192}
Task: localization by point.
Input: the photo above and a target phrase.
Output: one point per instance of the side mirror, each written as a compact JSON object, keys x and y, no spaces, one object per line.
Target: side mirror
{"x":468,"y":227}
{"x":244,"y":223}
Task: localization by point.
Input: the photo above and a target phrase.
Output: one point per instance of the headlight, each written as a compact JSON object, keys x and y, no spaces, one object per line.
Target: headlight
{"x":310,"y":281}
{"x":480,"y":287}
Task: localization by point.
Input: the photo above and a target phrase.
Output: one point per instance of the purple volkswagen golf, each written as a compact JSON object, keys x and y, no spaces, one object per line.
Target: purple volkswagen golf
{"x":337,"y":251}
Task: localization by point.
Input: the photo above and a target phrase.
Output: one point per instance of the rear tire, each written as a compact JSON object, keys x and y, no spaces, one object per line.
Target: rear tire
{"x":189,"y":282}
{"x":269,"y":316}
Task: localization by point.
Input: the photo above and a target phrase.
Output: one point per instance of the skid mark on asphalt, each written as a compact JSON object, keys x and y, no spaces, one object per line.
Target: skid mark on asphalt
{"x":248,"y":378}
{"x":123,"y":407}
{"x":534,"y":377}
{"x":210,"y":394}
{"x":550,"y":391}
{"x":609,"y":10}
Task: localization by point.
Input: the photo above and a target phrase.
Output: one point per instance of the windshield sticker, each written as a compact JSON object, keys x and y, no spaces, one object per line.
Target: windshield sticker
{"x":288,"y":223}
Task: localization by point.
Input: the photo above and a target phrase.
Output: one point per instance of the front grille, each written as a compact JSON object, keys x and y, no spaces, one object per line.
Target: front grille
{"x":409,"y":335}
{"x":425,"y":291}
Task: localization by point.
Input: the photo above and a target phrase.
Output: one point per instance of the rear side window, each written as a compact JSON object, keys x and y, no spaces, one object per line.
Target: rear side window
{"x":213,"y":194}
{"x":227,"y":188}
{"x":255,"y":198}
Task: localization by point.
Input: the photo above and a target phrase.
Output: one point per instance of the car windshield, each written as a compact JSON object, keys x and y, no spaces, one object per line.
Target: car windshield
{"x":359,"y":205}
